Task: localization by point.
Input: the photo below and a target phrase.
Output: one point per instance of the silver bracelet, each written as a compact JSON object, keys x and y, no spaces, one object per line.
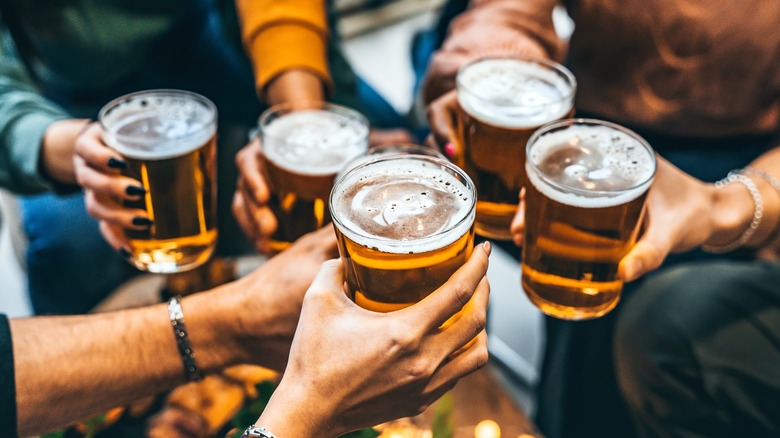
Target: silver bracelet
{"x":758,"y":213}
{"x":257,"y":432}
{"x":175,"y":313}
{"x":775,"y":183}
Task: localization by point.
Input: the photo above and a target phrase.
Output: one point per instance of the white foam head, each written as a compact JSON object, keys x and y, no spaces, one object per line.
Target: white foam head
{"x":314,"y":142}
{"x":157,"y":125}
{"x":515,"y":93}
{"x":403,"y":204}
{"x":590,"y":166}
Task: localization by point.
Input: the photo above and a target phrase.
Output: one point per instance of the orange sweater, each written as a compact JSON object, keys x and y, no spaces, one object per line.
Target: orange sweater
{"x":282,"y":35}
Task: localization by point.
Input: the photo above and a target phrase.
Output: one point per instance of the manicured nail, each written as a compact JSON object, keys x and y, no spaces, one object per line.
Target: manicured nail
{"x":487,"y":247}
{"x":124,"y":253}
{"x":449,"y":149}
{"x":115,"y":163}
{"x":135,"y":191}
{"x":142,"y":221}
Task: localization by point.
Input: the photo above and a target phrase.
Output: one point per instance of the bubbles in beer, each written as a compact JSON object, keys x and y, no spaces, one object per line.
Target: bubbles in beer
{"x":314,"y":142}
{"x":595,"y":161}
{"x":402,"y":201}
{"x":513,"y":93}
{"x":159,"y":127}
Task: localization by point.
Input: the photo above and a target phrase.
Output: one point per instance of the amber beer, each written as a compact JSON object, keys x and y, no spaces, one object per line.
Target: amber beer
{"x":404,"y":225}
{"x":303,"y":148}
{"x":503,"y":101}
{"x":584,"y":205}
{"x":168,"y":138}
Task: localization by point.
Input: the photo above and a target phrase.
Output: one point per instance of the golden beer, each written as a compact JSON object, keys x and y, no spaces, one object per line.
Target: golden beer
{"x":168,"y":139}
{"x":503,"y":101}
{"x":302,"y":150}
{"x":404,"y":225}
{"x":585,"y":197}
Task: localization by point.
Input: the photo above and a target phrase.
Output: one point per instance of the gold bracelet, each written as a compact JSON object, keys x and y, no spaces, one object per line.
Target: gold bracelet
{"x":758,"y":213}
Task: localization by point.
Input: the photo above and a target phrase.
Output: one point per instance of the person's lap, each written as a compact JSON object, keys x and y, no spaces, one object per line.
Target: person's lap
{"x":697,"y":349}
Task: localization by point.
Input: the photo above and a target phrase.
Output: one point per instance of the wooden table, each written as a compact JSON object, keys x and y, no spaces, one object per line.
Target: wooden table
{"x":479,"y":397}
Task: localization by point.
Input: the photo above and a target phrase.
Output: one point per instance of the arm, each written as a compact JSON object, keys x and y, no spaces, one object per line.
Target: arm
{"x":286,"y":41}
{"x":492,"y":28}
{"x":69,"y":368}
{"x":36,"y":136}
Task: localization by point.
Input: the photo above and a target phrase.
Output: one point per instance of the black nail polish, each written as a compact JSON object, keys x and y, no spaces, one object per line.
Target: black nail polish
{"x":124,"y":253}
{"x":116,"y":164}
{"x":141,"y":221}
{"x":135,"y":191}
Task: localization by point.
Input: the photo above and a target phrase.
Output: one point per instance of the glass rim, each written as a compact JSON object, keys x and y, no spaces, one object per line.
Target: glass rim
{"x":289,"y":107}
{"x":449,"y":166}
{"x":544,"y":129}
{"x":169,"y":92}
{"x":551,"y":65}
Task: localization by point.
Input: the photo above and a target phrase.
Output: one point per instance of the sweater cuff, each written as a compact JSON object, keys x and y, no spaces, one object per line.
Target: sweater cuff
{"x":25,"y":154}
{"x":288,"y":46}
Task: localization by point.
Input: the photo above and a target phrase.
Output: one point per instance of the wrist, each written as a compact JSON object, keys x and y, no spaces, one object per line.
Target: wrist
{"x":295,"y":86}
{"x":58,"y":148}
{"x":733,"y":212}
{"x":292,"y":412}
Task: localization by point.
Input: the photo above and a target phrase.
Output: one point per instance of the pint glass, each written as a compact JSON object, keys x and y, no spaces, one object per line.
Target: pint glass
{"x":585,"y":197}
{"x":303,"y":148}
{"x":168,"y":138}
{"x":502,"y":102}
{"x":404,"y":225}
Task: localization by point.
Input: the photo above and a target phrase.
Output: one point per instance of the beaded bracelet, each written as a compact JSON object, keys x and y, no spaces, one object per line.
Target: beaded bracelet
{"x":175,"y":313}
{"x":775,"y":183}
{"x":758,"y":213}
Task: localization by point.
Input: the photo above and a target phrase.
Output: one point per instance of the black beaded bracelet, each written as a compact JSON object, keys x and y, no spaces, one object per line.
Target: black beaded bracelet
{"x":191,"y":370}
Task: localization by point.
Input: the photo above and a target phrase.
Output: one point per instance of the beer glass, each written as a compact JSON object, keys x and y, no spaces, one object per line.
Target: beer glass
{"x":168,"y":138}
{"x":404,"y":225}
{"x":584,"y":201}
{"x":502,"y":101}
{"x":303,"y":148}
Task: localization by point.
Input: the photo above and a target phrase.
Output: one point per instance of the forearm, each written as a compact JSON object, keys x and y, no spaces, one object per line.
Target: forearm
{"x":295,"y":86}
{"x":72,"y":367}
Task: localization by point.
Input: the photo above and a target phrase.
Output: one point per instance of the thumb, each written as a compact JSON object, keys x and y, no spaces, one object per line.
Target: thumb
{"x":644,"y":257}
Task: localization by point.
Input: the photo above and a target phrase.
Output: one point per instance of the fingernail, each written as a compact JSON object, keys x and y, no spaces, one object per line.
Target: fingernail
{"x":135,"y":191}
{"x":487,"y":247}
{"x":115,"y":163}
{"x":124,"y":253}
{"x":449,"y":149}
{"x":142,"y":221}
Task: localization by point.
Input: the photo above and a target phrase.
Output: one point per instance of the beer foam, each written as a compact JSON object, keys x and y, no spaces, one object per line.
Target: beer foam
{"x":613,"y":165}
{"x":314,"y":142}
{"x":512,"y":93}
{"x":402,"y":206}
{"x":158,"y":127}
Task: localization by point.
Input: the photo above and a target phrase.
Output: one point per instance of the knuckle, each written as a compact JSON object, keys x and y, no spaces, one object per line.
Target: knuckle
{"x":418,"y":370}
{"x":462,"y":293}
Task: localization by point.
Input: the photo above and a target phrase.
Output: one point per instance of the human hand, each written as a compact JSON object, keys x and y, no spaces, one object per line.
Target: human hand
{"x":270,"y":298}
{"x":351,"y":368}
{"x":443,"y":119}
{"x":250,"y":201}
{"x":106,"y":191}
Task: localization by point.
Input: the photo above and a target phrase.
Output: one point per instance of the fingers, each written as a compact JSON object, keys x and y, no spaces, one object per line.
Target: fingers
{"x":117,"y":186}
{"x":115,"y":238}
{"x":447,"y":300}
{"x":469,"y":324}
{"x":329,"y":282}
{"x":105,"y":208}
{"x":90,"y":147}
{"x":647,"y":255}
{"x":257,"y":222}
{"x":322,"y":241}
{"x":518,"y":221}
{"x":250,"y":165}
{"x":464,"y":363}
{"x":442,"y":115}
{"x":386,"y":137}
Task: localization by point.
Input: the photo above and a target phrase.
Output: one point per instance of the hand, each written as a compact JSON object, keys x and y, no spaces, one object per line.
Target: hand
{"x":58,"y":148}
{"x":250,"y":202}
{"x":98,"y":171}
{"x":351,"y":368}
{"x":389,"y":137}
{"x":442,"y":117}
{"x":276,"y":290}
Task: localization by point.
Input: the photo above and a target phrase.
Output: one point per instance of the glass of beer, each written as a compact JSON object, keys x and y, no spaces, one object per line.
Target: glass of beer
{"x":303,"y":148}
{"x":502,"y":102}
{"x":168,"y":138}
{"x":585,"y":198}
{"x":405,"y":224}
